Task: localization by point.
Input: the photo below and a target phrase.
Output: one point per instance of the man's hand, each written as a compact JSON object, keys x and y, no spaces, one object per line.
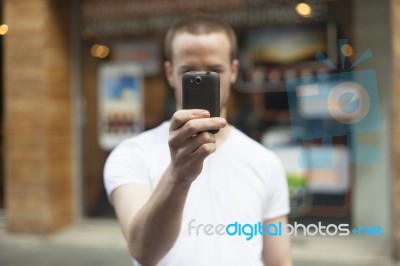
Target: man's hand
{"x":190,"y":142}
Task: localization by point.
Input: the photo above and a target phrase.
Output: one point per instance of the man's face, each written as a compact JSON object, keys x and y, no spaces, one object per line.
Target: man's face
{"x":206,"y":52}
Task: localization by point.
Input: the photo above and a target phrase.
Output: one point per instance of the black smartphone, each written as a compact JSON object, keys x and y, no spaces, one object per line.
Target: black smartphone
{"x":200,"y":90}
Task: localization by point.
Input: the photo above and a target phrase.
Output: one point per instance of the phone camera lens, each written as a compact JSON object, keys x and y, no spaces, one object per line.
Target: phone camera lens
{"x":197,"y":80}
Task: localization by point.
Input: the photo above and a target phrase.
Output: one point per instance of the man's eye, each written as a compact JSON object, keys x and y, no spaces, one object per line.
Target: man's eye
{"x":219,"y":71}
{"x":184,"y":71}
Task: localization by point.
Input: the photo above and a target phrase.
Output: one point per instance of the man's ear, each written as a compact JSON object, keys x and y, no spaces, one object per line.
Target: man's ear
{"x":234,"y":70}
{"x":169,"y":73}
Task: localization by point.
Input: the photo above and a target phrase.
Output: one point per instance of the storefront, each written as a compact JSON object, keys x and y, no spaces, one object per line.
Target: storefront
{"x":76,"y":83}
{"x":133,"y":32}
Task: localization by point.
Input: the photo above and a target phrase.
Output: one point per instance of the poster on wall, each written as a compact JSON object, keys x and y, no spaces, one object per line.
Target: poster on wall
{"x":143,"y":53}
{"x":120,"y":106}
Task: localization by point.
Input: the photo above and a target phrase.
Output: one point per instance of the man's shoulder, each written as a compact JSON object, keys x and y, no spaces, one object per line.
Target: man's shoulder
{"x":154,"y":136}
{"x":144,"y":144}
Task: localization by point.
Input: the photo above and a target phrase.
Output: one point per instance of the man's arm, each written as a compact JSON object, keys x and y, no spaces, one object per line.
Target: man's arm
{"x":151,"y":220}
{"x":276,"y":249}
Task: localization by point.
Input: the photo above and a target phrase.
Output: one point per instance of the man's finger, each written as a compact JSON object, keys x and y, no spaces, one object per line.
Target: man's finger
{"x":180,"y":117}
{"x":202,"y":138}
{"x":195,"y":126}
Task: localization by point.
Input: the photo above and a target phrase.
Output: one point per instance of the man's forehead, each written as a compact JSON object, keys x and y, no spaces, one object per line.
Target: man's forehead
{"x":183,"y":37}
{"x":199,"y":34}
{"x":186,"y":42}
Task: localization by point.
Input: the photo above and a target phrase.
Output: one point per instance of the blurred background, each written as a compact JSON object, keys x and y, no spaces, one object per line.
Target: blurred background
{"x":79,"y":76}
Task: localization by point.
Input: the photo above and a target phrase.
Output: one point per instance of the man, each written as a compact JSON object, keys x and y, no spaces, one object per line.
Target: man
{"x":172,"y":185}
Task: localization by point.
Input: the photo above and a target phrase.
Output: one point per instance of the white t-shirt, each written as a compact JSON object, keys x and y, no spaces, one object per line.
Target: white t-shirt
{"x":241,"y":182}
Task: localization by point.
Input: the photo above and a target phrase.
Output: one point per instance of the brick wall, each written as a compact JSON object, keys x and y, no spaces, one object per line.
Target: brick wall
{"x":38,"y":121}
{"x":395,"y":8}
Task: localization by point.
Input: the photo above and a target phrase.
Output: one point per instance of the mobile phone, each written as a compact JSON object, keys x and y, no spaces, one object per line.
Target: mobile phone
{"x":200,"y":90}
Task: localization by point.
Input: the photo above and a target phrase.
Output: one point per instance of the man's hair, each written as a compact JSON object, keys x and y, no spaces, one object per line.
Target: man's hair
{"x":200,"y":24}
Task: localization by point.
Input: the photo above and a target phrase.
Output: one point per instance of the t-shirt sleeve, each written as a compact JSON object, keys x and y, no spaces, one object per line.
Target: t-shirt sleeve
{"x":125,"y":165}
{"x":278,"y":196}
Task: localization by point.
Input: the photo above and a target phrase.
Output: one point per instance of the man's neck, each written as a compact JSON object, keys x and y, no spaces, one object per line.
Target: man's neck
{"x":223,"y":133}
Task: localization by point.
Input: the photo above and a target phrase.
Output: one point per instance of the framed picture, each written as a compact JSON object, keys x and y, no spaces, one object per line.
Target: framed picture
{"x":270,"y":55}
{"x":120,"y":106}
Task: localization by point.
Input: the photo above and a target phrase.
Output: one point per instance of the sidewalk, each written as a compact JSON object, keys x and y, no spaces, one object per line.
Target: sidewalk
{"x":100,"y":243}
{"x":343,"y":251}
{"x":92,"y":242}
